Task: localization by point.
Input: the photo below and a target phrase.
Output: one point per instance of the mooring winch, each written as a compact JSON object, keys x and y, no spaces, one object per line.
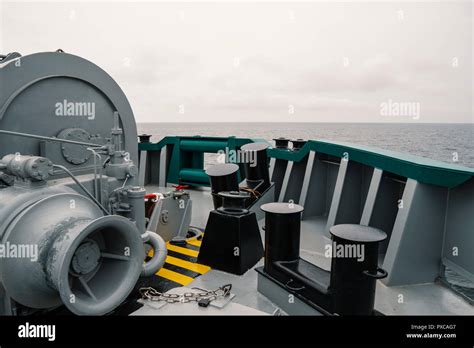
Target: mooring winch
{"x":68,"y":188}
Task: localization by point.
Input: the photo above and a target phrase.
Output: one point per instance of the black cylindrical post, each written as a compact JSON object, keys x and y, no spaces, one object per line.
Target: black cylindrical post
{"x":234,"y":202}
{"x":256,"y":164}
{"x":281,"y":143}
{"x":144,"y":138}
{"x":298,"y":144}
{"x":282,"y":232}
{"x":223,"y":177}
{"x":354,"y":268}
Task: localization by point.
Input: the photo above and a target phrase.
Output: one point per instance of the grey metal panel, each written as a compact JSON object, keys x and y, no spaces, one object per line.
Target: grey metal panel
{"x":332,"y":172}
{"x":279,"y":174}
{"x":163,"y":167}
{"x":295,"y":181}
{"x":315,"y":200}
{"x":153,"y":168}
{"x":267,"y":197}
{"x":371,"y":197}
{"x":306,"y":179}
{"x":458,"y":245}
{"x":286,"y":178}
{"x":336,"y":198}
{"x":414,"y":252}
{"x":385,"y":209}
{"x":142,"y":170}
{"x":320,"y":187}
{"x":354,"y":193}
{"x":272,"y":166}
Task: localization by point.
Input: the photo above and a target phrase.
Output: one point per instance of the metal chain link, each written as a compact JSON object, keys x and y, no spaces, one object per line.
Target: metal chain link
{"x":152,"y":294}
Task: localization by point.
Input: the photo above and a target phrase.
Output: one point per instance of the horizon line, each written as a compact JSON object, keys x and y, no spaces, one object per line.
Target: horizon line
{"x":340,"y":122}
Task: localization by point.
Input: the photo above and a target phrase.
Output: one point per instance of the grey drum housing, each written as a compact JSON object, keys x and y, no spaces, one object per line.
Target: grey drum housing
{"x":72,"y":218}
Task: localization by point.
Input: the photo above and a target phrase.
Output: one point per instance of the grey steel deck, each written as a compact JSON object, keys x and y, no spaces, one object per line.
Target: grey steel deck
{"x":421,"y":299}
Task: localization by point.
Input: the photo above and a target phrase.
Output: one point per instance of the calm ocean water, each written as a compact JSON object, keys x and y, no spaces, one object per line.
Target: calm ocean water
{"x":435,"y":141}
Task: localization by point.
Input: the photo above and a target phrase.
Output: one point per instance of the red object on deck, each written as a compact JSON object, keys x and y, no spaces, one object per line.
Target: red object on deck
{"x":180,"y":187}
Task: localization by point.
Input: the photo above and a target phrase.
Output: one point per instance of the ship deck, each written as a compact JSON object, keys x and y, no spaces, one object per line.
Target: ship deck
{"x":420,"y":299}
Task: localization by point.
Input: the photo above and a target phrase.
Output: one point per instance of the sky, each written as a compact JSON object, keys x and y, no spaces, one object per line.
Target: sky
{"x":266,"y":61}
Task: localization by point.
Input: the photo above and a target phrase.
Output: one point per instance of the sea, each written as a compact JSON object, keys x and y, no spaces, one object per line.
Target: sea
{"x":449,"y":143}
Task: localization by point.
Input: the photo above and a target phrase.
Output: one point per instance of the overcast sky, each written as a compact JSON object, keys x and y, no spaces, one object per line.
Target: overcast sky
{"x":295,"y":62}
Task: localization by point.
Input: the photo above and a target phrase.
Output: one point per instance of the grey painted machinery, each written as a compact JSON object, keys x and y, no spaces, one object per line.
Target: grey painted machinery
{"x":72,"y":218}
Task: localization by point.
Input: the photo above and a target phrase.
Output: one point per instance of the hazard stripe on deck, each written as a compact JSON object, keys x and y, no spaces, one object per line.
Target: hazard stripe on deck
{"x":181,"y":270}
{"x":181,"y":250}
{"x":181,"y":265}
{"x":195,"y":267}
{"x":195,"y":242}
{"x":182,"y":257}
{"x":174,"y":276}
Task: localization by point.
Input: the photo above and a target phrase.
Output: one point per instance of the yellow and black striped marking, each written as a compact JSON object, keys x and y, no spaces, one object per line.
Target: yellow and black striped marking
{"x":180,"y":267}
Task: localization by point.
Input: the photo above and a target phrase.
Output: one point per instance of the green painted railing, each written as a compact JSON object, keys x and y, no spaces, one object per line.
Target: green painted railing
{"x":186,"y":161}
{"x":186,"y":164}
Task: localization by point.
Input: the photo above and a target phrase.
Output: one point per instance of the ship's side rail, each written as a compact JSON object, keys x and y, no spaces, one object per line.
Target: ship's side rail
{"x":426,"y":207}
{"x":180,"y":160}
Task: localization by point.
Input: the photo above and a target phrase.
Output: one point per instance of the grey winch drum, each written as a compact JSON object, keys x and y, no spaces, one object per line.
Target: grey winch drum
{"x":68,"y":188}
{"x":82,"y":256}
{"x":60,"y":94}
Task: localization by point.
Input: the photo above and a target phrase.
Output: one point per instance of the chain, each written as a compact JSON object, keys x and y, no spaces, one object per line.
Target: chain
{"x":152,"y":294}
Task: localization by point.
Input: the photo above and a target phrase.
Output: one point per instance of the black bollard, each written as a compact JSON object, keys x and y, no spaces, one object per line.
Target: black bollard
{"x":234,"y":202}
{"x":281,"y":143}
{"x":282,"y":233}
{"x":223,"y":177}
{"x":144,"y":138}
{"x":354,"y":268}
{"x":298,"y":144}
{"x":256,"y":171}
{"x":232,"y":240}
{"x":348,"y":289}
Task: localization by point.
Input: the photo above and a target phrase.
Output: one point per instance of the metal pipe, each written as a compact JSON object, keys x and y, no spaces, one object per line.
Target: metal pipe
{"x":97,"y":185}
{"x":41,"y":137}
{"x":82,"y":187}
{"x":95,"y":171}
